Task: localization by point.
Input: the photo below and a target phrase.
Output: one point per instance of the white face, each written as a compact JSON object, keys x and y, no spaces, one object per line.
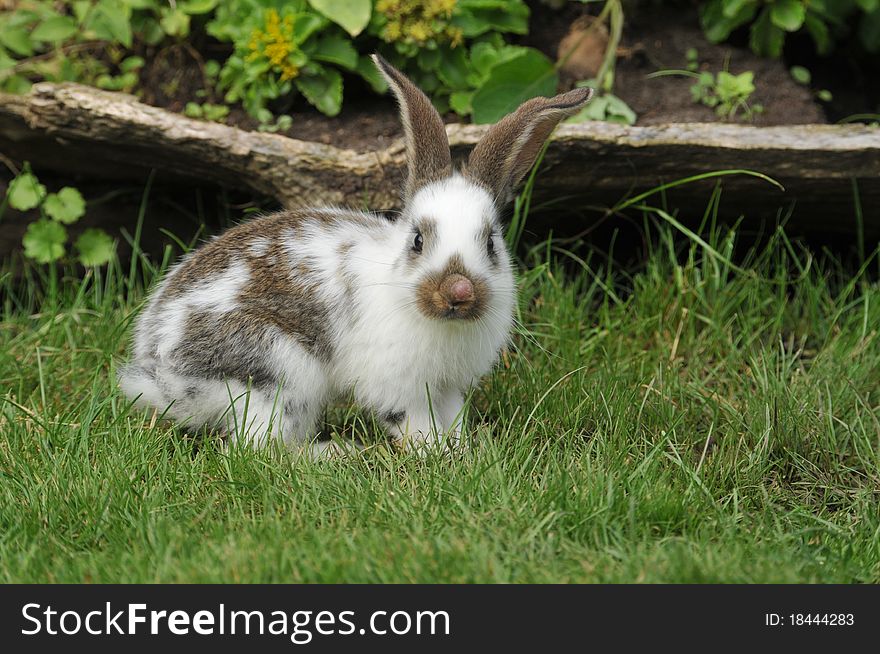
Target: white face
{"x":452,"y":252}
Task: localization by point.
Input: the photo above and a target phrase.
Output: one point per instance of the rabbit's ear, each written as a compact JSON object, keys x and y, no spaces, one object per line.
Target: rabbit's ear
{"x":427,"y":148}
{"x":509,"y":149}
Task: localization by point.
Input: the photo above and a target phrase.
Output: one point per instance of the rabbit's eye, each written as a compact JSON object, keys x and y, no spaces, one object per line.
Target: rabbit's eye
{"x":418,"y":242}
{"x":490,"y":245}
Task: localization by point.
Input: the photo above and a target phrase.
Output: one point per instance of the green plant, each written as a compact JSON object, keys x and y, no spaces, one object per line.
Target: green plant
{"x":606,"y":107}
{"x":727,"y":93}
{"x":681,"y":420}
{"x":206,"y":111}
{"x":826,"y":21}
{"x":281,"y":48}
{"x":803,"y":77}
{"x":45,"y":238}
{"x":455,"y":51}
{"x":87,"y":41}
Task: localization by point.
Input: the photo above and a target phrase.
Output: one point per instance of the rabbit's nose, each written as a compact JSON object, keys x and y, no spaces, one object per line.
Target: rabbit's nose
{"x":461,"y":291}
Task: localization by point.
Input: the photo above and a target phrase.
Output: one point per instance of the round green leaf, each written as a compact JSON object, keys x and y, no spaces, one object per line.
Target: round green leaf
{"x":788,"y":14}
{"x":800,"y":75}
{"x":44,"y":241}
{"x":66,"y":206}
{"x":351,"y":15}
{"x":513,"y":82}
{"x":95,"y":247}
{"x":25,"y":192}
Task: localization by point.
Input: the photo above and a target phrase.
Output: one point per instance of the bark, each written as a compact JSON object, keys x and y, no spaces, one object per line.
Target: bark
{"x":86,"y":131}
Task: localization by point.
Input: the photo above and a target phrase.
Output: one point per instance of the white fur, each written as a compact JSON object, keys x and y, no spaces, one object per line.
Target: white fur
{"x":385,"y":351}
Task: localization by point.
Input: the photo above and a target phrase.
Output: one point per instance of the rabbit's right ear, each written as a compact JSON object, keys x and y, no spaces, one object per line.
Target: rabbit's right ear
{"x":509,"y":149}
{"x":427,"y":148}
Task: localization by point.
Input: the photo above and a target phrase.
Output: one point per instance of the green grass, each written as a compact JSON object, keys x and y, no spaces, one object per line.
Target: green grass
{"x":690,"y":421}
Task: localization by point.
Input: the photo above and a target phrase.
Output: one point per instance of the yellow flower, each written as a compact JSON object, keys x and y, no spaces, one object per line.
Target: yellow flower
{"x":275,"y":44}
{"x":416,"y":21}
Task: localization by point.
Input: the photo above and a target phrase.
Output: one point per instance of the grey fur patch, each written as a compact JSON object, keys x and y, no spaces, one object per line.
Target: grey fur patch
{"x":222,"y":346}
{"x":394,"y":417}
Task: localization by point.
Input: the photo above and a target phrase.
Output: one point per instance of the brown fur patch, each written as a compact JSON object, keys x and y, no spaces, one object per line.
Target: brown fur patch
{"x":432,"y":296}
{"x":279,"y":297}
{"x":275,"y":296}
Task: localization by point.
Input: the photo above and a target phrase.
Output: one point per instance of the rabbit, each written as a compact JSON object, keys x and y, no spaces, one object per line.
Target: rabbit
{"x":253,"y":332}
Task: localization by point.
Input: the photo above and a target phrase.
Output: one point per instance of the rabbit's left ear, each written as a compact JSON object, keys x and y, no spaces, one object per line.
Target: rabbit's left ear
{"x":427,"y":148}
{"x":509,"y":149}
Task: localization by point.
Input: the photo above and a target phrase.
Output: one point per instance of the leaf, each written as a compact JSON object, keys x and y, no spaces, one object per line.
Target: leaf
{"x":335,"y":49}
{"x":453,"y":68}
{"x":608,"y":108}
{"x":6,"y":61}
{"x":323,"y":90}
{"x":788,"y":14}
{"x":25,"y":192}
{"x":110,"y":21}
{"x":44,"y":241}
{"x":18,"y":40}
{"x":57,"y":28}
{"x":198,"y":6}
{"x":367,"y":70}
{"x":66,"y":206}
{"x":800,"y":75}
{"x":718,"y":25}
{"x":461,"y":102}
{"x":215,"y":112}
{"x":819,"y":31}
{"x":175,"y":22}
{"x":95,"y":247}
{"x":619,"y":111}
{"x":476,"y":17}
{"x":304,"y":25}
{"x":766,"y":38}
{"x":193,"y":110}
{"x":733,"y":7}
{"x":16,"y":84}
{"x":131,"y":64}
{"x":351,"y":15}
{"x":512,"y":83}
{"x":594,"y":110}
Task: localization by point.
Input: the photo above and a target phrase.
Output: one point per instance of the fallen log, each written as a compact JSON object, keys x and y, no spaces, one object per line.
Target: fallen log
{"x":82,"y":130}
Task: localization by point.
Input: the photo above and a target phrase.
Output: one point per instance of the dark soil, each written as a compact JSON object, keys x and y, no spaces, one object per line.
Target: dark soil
{"x":655,"y":44}
{"x":653,"y":40}
{"x":173,"y":76}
